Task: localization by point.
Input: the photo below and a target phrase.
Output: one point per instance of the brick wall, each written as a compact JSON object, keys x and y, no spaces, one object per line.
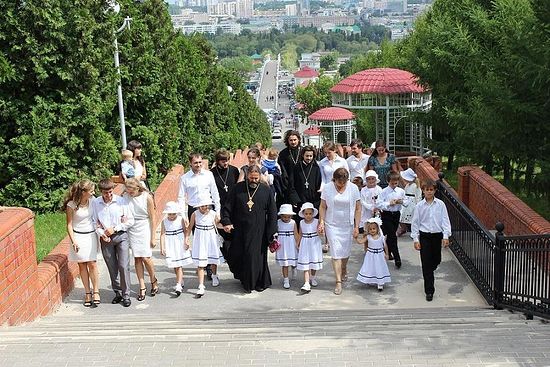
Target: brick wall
{"x":29,"y":290}
{"x":491,"y":202}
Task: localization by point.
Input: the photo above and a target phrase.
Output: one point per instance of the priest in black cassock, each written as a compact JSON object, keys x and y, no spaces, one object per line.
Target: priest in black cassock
{"x":288,"y":159}
{"x":305,"y":180}
{"x":250,"y":214}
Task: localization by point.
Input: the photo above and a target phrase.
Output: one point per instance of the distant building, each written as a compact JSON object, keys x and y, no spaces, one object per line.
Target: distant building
{"x":245,"y":8}
{"x":305,"y":75}
{"x":311,"y":60}
{"x":234,"y":28}
{"x":397,"y":34}
{"x":317,"y":22}
{"x":302,"y":8}
{"x":291,"y":10}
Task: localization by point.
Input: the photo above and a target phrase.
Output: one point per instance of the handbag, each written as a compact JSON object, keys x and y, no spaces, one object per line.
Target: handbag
{"x":274,"y":245}
{"x":219,"y":237}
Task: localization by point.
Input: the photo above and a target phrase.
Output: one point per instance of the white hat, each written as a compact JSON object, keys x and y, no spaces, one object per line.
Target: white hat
{"x":204,"y":200}
{"x":376,"y":220}
{"x":307,"y":206}
{"x":408,"y":175}
{"x":373,"y":145}
{"x":286,"y":209}
{"x":372,"y":173}
{"x":172,"y":208}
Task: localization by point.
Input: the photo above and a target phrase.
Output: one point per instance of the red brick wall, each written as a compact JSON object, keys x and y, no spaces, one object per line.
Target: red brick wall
{"x":29,"y":290}
{"x":491,"y":202}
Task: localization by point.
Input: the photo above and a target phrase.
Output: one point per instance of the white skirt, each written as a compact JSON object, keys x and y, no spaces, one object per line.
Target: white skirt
{"x":339,"y":239}
{"x":88,"y":246}
{"x":139,"y":236}
{"x":205,"y":249}
{"x":286,"y":255}
{"x":375,"y":269}
{"x":310,"y":254}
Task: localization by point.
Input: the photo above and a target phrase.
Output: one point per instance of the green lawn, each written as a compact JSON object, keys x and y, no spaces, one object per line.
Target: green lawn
{"x":49,"y":229}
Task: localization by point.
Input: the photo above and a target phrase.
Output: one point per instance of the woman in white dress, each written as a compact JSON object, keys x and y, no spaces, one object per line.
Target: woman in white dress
{"x":142,"y":234}
{"x":84,"y":244}
{"x":139,"y":163}
{"x":339,"y":218}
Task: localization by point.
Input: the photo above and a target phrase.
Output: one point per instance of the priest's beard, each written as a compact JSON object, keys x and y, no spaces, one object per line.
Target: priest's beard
{"x":253,"y":185}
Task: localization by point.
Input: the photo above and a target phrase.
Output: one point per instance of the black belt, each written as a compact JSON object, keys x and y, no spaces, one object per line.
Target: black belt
{"x":83,"y":232}
{"x":375,"y":250}
{"x":410,"y":195}
{"x":286,"y":233}
{"x":175,"y":232}
{"x":203,"y":227}
{"x":309,"y":235}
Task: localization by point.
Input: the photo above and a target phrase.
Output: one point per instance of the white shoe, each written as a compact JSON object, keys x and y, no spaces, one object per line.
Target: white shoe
{"x":201,"y":290}
{"x":380,"y":287}
{"x":306,"y":288}
{"x":215,"y":281}
{"x":294,"y":273}
{"x":313,"y":282}
{"x":286,"y":283}
{"x":178,"y":289}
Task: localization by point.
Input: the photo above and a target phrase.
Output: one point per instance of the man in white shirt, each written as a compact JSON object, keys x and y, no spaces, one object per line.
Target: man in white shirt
{"x":357,"y":161}
{"x":194,"y":183}
{"x":430,"y":229}
{"x":113,"y":217}
{"x":390,"y":201}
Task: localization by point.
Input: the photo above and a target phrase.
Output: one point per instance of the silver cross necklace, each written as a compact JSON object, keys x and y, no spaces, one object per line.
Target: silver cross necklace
{"x":226,"y":176}
{"x":306,"y":184}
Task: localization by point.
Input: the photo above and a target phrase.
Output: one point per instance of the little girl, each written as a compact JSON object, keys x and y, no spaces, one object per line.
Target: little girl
{"x":205,"y":249}
{"x":369,"y":194}
{"x":287,"y":253}
{"x":414,"y":194}
{"x":172,"y":243}
{"x":374,"y":270}
{"x":310,"y":250}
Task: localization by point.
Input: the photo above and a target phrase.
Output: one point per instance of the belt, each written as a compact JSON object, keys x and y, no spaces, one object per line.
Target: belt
{"x":410,"y":195}
{"x":309,"y":235}
{"x":203,"y":227}
{"x":83,"y":232}
{"x":375,"y":250}
{"x":286,"y":233}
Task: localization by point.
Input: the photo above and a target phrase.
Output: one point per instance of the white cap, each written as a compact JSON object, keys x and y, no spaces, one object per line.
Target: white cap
{"x":307,"y":206}
{"x":172,"y":208}
{"x":286,"y":209}
{"x":372,"y":173}
{"x":204,"y":200}
{"x":408,"y":174}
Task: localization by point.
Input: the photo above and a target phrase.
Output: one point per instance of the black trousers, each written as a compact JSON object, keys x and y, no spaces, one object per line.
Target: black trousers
{"x":390,"y":222}
{"x":430,"y":257}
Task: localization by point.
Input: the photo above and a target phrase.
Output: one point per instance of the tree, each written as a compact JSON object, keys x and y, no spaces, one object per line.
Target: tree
{"x":315,"y":95}
{"x":328,"y":61}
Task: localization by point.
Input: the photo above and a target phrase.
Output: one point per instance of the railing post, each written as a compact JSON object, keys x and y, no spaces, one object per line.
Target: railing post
{"x":498,"y":266}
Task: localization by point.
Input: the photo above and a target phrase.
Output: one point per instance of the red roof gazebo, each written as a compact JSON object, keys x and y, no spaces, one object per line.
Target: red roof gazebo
{"x":392,"y":94}
{"x":336,"y":120}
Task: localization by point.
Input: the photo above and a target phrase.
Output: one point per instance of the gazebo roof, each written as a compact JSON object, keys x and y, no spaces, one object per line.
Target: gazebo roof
{"x":332,"y":114}
{"x":379,"y":81}
{"x":306,"y":72}
{"x":312,"y":131}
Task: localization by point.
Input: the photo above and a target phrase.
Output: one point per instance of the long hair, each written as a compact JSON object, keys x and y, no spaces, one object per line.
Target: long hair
{"x":134,"y":184}
{"x":132,"y":146}
{"x":379,"y":143}
{"x":75,"y":192}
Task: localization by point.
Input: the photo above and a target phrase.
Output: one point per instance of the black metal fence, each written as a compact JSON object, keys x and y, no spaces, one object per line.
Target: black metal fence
{"x":510,"y":271}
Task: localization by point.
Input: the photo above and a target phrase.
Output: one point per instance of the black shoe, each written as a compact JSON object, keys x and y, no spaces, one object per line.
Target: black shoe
{"x":208,"y":272}
{"x":429,"y":297}
{"x":117,"y":299}
{"x":398,"y":264}
{"x":259,"y":289}
{"x":126,"y":302}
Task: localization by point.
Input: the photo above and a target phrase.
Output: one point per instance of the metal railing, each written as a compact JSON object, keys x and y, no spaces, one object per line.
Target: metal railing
{"x":510,"y":271}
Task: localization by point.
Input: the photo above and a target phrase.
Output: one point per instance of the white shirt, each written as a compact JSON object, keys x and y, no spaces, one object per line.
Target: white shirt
{"x":193,"y":185}
{"x":328,"y":167}
{"x":430,"y":218}
{"x":110,"y":215}
{"x":357,"y":166}
{"x":388,"y":194}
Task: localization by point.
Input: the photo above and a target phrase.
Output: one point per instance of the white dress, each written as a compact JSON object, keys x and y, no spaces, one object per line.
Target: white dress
{"x":205,"y":244}
{"x":339,"y":230}
{"x":414,"y":195}
{"x":374,"y":269}
{"x":138,"y":171}
{"x":310,"y":254}
{"x":287,"y":254}
{"x":176,"y":255}
{"x":84,"y":234}
{"x":139,"y":235}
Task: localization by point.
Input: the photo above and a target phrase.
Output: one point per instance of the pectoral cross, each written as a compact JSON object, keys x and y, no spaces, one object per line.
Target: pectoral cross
{"x":250,"y":203}
{"x":306,"y":185}
{"x":225,"y":188}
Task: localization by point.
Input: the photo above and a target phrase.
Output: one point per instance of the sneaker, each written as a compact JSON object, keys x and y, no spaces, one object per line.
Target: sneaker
{"x":178,"y":289}
{"x":306,"y":288}
{"x":294,"y":273}
{"x":286,"y":283}
{"x":313,"y":282}
{"x":215,"y":280}
{"x":201,"y":290}
{"x":380,"y":287}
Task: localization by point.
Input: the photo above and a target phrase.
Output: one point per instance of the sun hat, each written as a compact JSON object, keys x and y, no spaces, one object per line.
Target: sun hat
{"x":376,"y":220}
{"x":286,"y":209}
{"x":408,"y":174}
{"x":307,"y":206}
{"x":172,"y":208}
{"x":203,"y":200}
{"x":372,"y":173}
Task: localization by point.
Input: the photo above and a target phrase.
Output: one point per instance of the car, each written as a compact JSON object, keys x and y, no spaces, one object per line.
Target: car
{"x":277,"y":126}
{"x":276,"y":134}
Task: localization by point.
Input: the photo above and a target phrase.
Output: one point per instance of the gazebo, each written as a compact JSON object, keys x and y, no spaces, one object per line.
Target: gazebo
{"x":338,"y":121}
{"x":312,"y":136}
{"x":305,"y":74}
{"x":392,"y":95}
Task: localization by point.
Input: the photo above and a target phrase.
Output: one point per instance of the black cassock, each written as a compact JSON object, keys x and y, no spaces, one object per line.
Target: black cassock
{"x":253,"y":229}
{"x":300,"y":192}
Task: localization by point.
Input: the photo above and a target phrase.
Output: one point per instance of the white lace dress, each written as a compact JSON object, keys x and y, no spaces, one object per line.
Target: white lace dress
{"x":84,"y":234}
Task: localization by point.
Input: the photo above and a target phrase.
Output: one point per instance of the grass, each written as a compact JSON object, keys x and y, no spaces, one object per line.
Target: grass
{"x":50,"y":229}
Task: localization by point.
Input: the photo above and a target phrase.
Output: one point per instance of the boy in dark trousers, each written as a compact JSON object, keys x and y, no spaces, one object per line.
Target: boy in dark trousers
{"x":430,"y":229}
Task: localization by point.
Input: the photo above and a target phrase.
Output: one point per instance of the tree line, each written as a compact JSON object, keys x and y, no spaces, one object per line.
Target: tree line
{"x":58,"y":105}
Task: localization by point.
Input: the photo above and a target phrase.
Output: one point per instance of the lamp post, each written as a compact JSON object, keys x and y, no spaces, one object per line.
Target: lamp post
{"x":125,"y":25}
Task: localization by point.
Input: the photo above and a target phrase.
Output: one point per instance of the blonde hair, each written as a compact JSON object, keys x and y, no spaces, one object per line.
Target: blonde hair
{"x":126,"y":154}
{"x":75,"y":192}
{"x":133,"y":183}
{"x":272,"y":152}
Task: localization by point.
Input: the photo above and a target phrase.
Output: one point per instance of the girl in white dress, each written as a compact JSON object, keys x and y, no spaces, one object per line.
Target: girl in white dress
{"x":84,"y":244}
{"x":369,"y":195}
{"x":172,"y":243}
{"x":205,"y":249}
{"x":142,"y":234}
{"x":287,"y":253}
{"x":310,"y":252}
{"x":414,"y":194}
{"x":339,"y":217}
{"x":374,"y":270}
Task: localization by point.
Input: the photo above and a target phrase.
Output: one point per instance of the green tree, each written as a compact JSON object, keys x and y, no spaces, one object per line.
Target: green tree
{"x":315,"y":95}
